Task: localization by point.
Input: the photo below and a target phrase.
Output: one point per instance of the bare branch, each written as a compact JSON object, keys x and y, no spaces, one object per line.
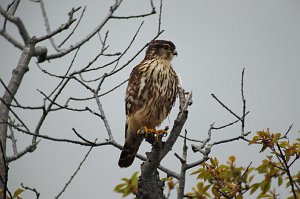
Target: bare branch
{"x":159,"y":18}
{"x":12,"y":40}
{"x":103,"y":116}
{"x":85,"y":140}
{"x":134,"y":16}
{"x":50,"y":33}
{"x":182,"y":174}
{"x":152,"y":12}
{"x":63,"y":52}
{"x":244,"y":104}
{"x":37,"y":194}
{"x":69,"y":36}
{"x":232,"y":139}
{"x":28,"y":149}
{"x":18,"y":22}
{"x":287,"y":132}
{"x":74,"y":174}
{"x":228,"y":109}
{"x":13,"y":139}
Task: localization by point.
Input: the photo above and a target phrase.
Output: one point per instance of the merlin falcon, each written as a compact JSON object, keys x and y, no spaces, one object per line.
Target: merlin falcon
{"x":150,"y":96}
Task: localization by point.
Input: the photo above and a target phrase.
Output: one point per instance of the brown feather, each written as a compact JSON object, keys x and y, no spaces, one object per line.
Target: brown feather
{"x":150,"y":95}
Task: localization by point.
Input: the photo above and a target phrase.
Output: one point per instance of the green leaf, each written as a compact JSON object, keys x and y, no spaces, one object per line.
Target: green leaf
{"x":214,"y":162}
{"x":280,"y":180}
{"x":119,"y":188}
{"x":254,"y":187}
{"x":263,"y":195}
{"x":240,"y":196}
{"x":276,"y":137}
{"x":17,"y":193}
{"x":265,"y":186}
{"x":254,"y":140}
{"x":250,"y":178}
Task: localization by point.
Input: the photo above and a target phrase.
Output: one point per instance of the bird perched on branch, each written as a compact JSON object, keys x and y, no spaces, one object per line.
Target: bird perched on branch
{"x":150,"y":95}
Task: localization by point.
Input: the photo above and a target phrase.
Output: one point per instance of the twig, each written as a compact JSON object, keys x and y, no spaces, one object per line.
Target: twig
{"x":189,"y":139}
{"x":37,"y":194}
{"x":286,"y":133}
{"x":78,"y":135}
{"x":18,"y":22}
{"x":63,"y":140}
{"x":159,"y":18}
{"x":229,"y":124}
{"x":12,"y":137}
{"x":8,"y":91}
{"x":152,"y":12}
{"x":63,"y":52}
{"x":244,"y":104}
{"x":232,"y":139}
{"x":12,"y":40}
{"x":74,"y":174}
{"x":103,"y":117}
{"x":100,"y":95}
{"x":79,"y":20}
{"x":48,"y":29}
{"x":4,"y":172}
{"x":287,"y":170}
{"x":182,"y":174}
{"x":228,"y":109}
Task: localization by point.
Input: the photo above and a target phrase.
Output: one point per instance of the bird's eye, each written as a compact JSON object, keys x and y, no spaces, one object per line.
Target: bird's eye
{"x":166,"y":47}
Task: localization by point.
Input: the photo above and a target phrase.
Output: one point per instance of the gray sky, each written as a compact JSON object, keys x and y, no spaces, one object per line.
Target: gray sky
{"x":214,"y":40}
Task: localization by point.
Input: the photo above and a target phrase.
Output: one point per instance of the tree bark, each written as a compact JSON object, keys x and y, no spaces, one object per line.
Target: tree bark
{"x":12,"y":88}
{"x":150,"y":186}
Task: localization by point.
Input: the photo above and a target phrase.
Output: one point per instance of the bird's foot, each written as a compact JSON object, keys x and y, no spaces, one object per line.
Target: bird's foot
{"x":152,"y":135}
{"x":145,"y":131}
{"x":158,"y":133}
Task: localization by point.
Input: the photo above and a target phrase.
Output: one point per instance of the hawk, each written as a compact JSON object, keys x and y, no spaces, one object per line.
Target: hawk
{"x":150,"y":95}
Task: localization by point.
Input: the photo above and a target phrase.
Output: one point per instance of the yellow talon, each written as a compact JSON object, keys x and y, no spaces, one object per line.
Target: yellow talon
{"x":159,"y":132}
{"x":155,"y":133}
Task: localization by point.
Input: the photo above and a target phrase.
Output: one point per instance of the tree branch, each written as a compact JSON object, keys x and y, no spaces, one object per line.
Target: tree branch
{"x":149,"y":184}
{"x":18,"y":22}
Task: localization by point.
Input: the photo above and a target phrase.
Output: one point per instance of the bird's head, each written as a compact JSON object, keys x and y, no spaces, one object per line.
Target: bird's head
{"x":161,"y":49}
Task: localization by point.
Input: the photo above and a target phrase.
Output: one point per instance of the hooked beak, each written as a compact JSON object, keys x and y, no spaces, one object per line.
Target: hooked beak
{"x":174,"y":52}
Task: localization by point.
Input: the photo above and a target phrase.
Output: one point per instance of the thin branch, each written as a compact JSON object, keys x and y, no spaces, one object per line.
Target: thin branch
{"x":37,"y":194}
{"x":103,"y":116}
{"x":287,"y":132}
{"x":231,"y":123}
{"x":18,"y":22}
{"x":159,"y":18}
{"x":8,"y":91}
{"x":74,"y":174}
{"x":152,"y":12}
{"x":231,"y":139}
{"x":50,"y":33}
{"x":63,"y":140}
{"x":244,"y":104}
{"x":13,"y":7}
{"x":64,"y":76}
{"x":182,"y":174}
{"x":63,"y":52}
{"x":228,"y":109}
{"x":47,"y":25}
{"x":28,"y":149}
{"x":4,"y":177}
{"x":12,"y":40}
{"x":287,"y":169}
{"x":80,"y":136}
{"x":79,"y":20}
{"x":13,"y":139}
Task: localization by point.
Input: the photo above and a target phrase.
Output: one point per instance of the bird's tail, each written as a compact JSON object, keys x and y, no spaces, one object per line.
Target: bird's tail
{"x":129,"y":151}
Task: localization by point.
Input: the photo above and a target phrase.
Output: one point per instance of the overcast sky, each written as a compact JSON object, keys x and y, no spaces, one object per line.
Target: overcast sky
{"x":215,"y":40}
